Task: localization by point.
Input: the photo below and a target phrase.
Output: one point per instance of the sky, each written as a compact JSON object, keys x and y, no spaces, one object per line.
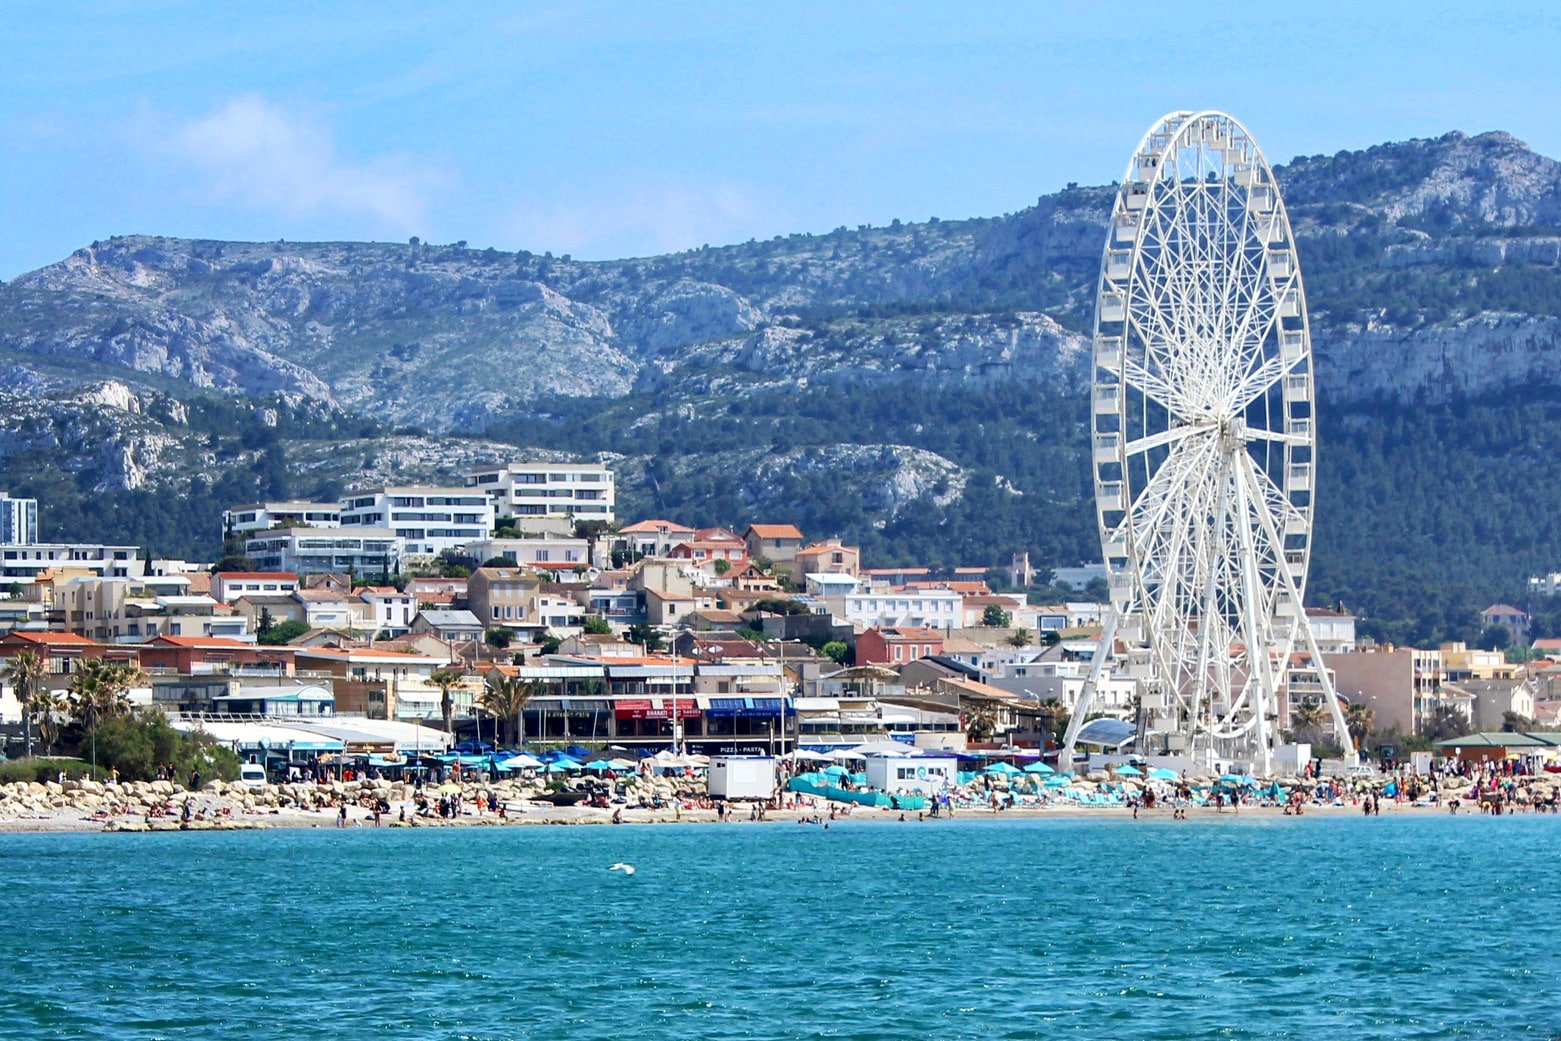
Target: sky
{"x":611,"y":129}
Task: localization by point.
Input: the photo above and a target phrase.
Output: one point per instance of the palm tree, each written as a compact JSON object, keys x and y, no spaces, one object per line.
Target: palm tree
{"x":24,"y":670}
{"x":1306,"y":719}
{"x":506,"y":698}
{"x":444,"y":679}
{"x":45,"y":704}
{"x":1359,"y":720}
{"x":1050,"y":712}
{"x":98,"y":690}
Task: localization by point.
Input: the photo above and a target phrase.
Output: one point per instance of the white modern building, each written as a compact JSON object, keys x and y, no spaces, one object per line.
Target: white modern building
{"x":23,"y":563}
{"x":561,"y":493}
{"x":263,"y":516}
{"x":427,"y":519}
{"x":366,"y":552}
{"x":929,"y":608}
{"x":18,"y":521}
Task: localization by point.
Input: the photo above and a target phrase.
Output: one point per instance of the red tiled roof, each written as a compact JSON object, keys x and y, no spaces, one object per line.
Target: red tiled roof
{"x":776,"y":531}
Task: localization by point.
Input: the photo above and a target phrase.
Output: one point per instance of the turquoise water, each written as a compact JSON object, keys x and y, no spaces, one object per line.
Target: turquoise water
{"x":1279,"y":928}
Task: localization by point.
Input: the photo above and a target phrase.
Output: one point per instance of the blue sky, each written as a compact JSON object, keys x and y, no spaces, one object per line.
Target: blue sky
{"x":607,"y":129}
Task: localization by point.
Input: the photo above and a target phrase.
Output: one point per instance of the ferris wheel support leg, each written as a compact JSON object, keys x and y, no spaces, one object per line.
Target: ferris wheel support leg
{"x":1351,"y":756}
{"x":1108,"y":635}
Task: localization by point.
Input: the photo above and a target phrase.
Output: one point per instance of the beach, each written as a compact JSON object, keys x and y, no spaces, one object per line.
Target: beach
{"x":162,"y":806}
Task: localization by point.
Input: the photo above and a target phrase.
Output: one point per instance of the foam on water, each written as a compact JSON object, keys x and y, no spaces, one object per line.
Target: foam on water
{"x":1274,"y":928}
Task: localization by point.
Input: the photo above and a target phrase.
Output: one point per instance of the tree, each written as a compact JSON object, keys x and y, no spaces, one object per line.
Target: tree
{"x":444,"y":679}
{"x":282,"y":632}
{"x":264,"y":621}
{"x":46,"y":706}
{"x":499,"y":562}
{"x":100,"y":690}
{"x":722,"y":566}
{"x":549,"y":644}
{"x":1052,"y":716}
{"x":1515,"y":722}
{"x":597,"y":626}
{"x":1444,"y":722}
{"x":1020,"y":638}
{"x":981,"y":726}
{"x":835,"y":651}
{"x":645,"y":635}
{"x":232,"y":562}
{"x":506,"y":698}
{"x":1358,"y":720}
{"x":1306,"y":722}
{"x":135,"y":743}
{"x":24,"y":671}
{"x":497,"y":637}
{"x":994,"y":617}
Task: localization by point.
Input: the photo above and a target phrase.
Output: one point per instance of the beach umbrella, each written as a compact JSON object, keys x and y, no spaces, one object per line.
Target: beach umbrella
{"x":1002,"y":768}
{"x":556,"y":768}
{"x":449,"y":789}
{"x":1129,"y":771}
{"x":520,"y":762}
{"x":1160,"y":773}
{"x":600,"y":766}
{"x":1230,"y":779}
{"x":835,"y":771}
{"x":1039,"y":768}
{"x":1055,"y":781}
{"x":620,"y":764}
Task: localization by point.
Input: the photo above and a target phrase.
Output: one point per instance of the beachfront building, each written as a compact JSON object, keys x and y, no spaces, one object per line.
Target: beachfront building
{"x":428,"y":519}
{"x":242,"y":521}
{"x":501,"y":596}
{"x":376,"y":683}
{"x":305,"y":551}
{"x":547,"y":497}
{"x":927,"y":773}
{"x":18,"y":521}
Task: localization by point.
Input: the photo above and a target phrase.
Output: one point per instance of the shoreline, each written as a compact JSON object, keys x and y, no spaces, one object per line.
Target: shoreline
{"x":68,"y":822}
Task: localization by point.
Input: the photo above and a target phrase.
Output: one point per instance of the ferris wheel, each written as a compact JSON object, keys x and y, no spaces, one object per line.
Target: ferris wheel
{"x":1204,"y":442}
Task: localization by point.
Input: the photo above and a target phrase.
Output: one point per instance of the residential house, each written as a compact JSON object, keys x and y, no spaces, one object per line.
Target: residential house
{"x":1334,"y":631}
{"x":928,"y":608}
{"x":895,"y":645}
{"x":502,"y":596}
{"x":385,"y":611}
{"x":261,"y":611}
{"x":653,"y":538}
{"x":777,"y":543}
{"x":209,"y":655}
{"x":668,"y":609}
{"x":830,"y":556}
{"x":328,"y":609}
{"x":228,"y":586}
{"x":436,"y":592}
{"x":453,"y":627}
{"x":557,"y":553}
{"x":1490,"y":701}
{"x":1513,"y":619}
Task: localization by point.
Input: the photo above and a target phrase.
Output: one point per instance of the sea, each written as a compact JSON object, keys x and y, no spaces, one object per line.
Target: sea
{"x":872,"y":930}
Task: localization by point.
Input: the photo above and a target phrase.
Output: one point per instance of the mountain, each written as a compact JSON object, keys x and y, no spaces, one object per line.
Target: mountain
{"x":920,"y":388}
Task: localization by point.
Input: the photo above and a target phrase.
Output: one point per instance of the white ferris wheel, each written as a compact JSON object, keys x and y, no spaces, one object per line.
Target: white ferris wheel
{"x":1204,"y":444}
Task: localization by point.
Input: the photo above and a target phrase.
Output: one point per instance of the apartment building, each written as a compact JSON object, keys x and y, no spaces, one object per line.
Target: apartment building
{"x":25,"y":562}
{"x":310,"y":551}
{"x":263,"y":516}
{"x":548,"y":497}
{"x":428,"y":520}
{"x":18,"y":521}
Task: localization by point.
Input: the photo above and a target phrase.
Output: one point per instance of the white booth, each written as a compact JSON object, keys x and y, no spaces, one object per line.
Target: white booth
{"x":926,"y":774}
{"x":742,"y":776}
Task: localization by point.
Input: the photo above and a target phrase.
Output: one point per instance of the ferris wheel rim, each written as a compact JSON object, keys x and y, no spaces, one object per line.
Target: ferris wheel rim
{"x":1286,"y":575}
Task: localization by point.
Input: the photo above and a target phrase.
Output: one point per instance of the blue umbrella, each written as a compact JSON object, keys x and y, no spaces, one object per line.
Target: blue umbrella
{"x":601,"y":766}
{"x":835,"y":771}
{"x":1160,"y":773}
{"x":1002,"y":768}
{"x":1039,"y":768}
{"x":1129,"y":771}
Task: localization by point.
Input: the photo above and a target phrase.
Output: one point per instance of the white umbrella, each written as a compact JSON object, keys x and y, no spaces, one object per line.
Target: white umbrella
{"x":886,"y":748}
{"x":802,"y":755}
{"x":520,"y":762}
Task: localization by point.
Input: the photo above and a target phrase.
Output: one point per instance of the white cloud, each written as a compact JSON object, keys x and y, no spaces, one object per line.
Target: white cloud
{"x":643,"y":220}
{"x":256,"y":154}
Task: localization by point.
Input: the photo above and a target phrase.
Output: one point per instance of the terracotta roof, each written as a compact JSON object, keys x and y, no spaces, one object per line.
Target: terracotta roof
{"x":652,"y":527}
{"x":52,"y":639}
{"x":210,"y":642}
{"x":776,"y":531}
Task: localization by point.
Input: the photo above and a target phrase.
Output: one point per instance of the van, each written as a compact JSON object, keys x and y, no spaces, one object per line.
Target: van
{"x":252,"y":774}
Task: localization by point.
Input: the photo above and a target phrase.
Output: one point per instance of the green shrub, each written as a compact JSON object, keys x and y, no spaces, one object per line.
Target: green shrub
{"x":40,"y":769}
{"x":135,"y":745}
